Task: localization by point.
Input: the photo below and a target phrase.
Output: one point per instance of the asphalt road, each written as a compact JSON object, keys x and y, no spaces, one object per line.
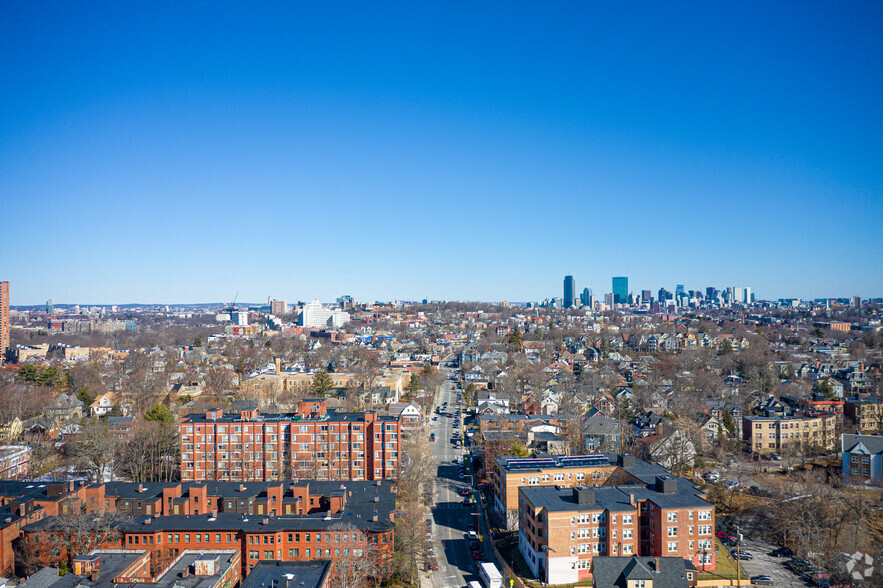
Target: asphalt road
{"x":450,"y":518}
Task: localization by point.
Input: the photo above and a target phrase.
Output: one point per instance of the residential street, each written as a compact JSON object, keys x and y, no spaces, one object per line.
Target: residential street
{"x":450,"y":518}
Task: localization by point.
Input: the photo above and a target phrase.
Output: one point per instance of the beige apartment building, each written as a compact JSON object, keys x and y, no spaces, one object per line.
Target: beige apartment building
{"x":299,"y":382}
{"x":776,"y":434}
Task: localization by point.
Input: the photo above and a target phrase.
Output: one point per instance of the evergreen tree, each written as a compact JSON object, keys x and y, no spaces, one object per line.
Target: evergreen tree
{"x":728,"y":422}
{"x":159,"y":413}
{"x":322,"y":383}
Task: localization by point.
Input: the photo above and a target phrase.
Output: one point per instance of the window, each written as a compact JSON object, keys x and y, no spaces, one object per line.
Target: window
{"x":627,"y":519}
{"x":672,"y":531}
{"x":672,"y":546}
{"x":672,"y":517}
{"x":704,"y":515}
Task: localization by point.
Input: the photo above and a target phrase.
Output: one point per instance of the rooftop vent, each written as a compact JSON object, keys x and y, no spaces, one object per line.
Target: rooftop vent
{"x":583,"y":495}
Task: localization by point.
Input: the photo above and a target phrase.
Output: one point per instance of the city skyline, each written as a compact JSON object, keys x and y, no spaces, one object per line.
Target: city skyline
{"x":410,"y":152}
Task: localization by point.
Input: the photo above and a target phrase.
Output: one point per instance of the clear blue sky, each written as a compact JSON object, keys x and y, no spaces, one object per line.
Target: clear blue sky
{"x":182,"y":152}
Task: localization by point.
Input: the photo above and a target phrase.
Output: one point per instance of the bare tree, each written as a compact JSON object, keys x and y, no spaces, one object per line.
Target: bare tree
{"x":356,"y":557}
{"x":68,"y":536}
{"x":151,"y":453}
{"x":418,"y":468}
{"x":411,"y":542}
{"x":97,"y":449}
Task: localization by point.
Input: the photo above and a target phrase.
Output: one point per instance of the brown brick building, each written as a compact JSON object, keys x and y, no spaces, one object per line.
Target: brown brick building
{"x":509,"y":473}
{"x":561,"y":530}
{"x":318,"y":520}
{"x":310,"y":443}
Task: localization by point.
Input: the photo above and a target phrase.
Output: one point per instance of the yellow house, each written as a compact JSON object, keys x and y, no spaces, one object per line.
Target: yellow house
{"x":11,"y":431}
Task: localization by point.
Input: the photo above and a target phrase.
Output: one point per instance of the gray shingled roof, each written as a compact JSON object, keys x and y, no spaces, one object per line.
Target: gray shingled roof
{"x":873,"y":443}
{"x":614,"y":572}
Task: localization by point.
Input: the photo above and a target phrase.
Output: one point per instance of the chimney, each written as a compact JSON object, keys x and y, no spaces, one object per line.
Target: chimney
{"x":265,"y":521}
{"x":657,"y":565}
{"x":140,"y":488}
{"x":375,"y":518}
{"x":632,"y":499}
{"x":242,"y":487}
{"x":93,"y":577}
{"x":215,"y":512}
{"x":185,"y":573}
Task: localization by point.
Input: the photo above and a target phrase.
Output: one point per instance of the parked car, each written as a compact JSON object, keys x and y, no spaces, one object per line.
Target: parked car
{"x":724,"y":535}
{"x":731,"y":484}
{"x":761,"y":580}
{"x":797,"y":565}
{"x":472,"y":535}
{"x":433,"y":564}
{"x":776,"y":456}
{"x":432,"y":436}
{"x":742,"y":555}
{"x":464,"y":492}
{"x":782,"y":552}
{"x":729,"y":541}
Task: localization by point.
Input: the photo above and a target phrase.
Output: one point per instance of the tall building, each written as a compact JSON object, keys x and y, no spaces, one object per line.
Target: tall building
{"x":586,"y":297}
{"x":316,"y":316}
{"x":279,"y":307}
{"x":645,"y":296}
{"x":569,"y":291}
{"x":620,"y":290}
{"x":679,"y":289}
{"x":4,"y":318}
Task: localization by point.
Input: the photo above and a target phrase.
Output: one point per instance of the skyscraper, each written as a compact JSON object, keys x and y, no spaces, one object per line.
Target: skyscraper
{"x":4,"y":318}
{"x":569,"y":291}
{"x":620,"y":290}
{"x":586,"y":297}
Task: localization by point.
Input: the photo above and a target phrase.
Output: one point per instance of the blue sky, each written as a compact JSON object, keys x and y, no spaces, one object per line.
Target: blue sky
{"x":182,"y":152}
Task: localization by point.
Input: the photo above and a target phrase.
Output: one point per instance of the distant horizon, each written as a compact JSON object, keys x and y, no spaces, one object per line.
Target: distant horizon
{"x":376,"y":301}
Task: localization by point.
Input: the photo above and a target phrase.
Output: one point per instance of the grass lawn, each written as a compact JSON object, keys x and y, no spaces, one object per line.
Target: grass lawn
{"x":726,"y":565}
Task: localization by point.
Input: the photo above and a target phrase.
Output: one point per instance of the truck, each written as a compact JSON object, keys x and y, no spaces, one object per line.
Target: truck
{"x":490,"y":575}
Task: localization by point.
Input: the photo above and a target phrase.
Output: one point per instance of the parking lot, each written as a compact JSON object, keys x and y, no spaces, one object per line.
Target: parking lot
{"x":765,"y":564}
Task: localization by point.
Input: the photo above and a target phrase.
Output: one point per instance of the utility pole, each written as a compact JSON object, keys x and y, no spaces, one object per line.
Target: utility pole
{"x":738,"y":558}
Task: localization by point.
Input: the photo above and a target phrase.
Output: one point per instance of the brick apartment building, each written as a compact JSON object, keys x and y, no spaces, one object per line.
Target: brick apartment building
{"x":864,"y":413}
{"x":561,"y":530}
{"x":113,"y":567}
{"x":509,"y":473}
{"x":787,"y":434}
{"x":310,"y":443}
{"x":264,"y":521}
{"x":14,"y":461}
